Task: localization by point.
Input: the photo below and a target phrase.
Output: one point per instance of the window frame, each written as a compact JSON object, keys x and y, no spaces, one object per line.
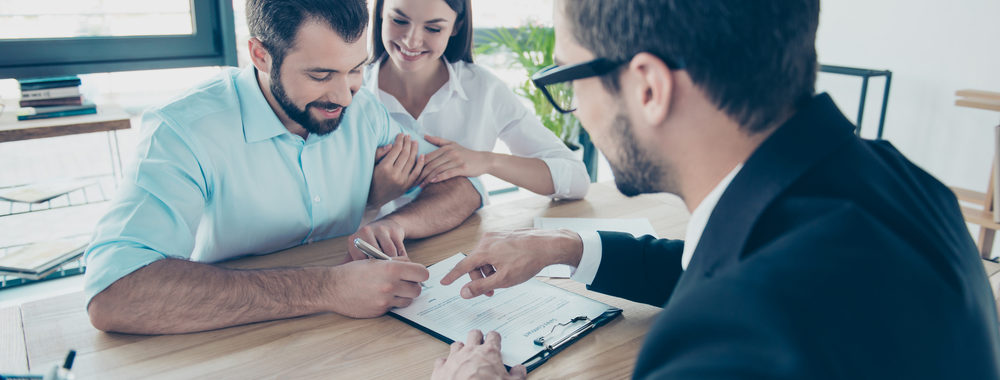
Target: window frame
{"x":213,"y":43}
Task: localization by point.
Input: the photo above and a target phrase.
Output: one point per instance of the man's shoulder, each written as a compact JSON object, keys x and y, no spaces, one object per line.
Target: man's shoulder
{"x":366,"y":100}
{"x":832,"y":287}
{"x":881,"y":183}
{"x":367,"y":111}
{"x":803,"y":226}
{"x":214,"y":98}
{"x":851,"y":254}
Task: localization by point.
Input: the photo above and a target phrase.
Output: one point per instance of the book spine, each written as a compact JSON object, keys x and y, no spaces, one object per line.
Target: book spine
{"x":45,"y":85}
{"x":49,"y":93}
{"x":85,"y":111}
{"x":72,"y":101}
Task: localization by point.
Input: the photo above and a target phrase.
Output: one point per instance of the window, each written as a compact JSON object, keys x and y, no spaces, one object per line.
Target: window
{"x":61,"y":37}
{"x":511,"y":13}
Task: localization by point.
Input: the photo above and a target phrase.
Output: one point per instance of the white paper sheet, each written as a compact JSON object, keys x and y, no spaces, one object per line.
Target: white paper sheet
{"x":520,"y":314}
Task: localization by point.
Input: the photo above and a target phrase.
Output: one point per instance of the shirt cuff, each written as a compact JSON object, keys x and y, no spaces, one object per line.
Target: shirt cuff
{"x":484,"y":198}
{"x":110,"y":262}
{"x":569,"y":178}
{"x":590,"y":261}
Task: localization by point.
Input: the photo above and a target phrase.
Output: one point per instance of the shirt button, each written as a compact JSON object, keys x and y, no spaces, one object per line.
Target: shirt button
{"x":316,"y":199}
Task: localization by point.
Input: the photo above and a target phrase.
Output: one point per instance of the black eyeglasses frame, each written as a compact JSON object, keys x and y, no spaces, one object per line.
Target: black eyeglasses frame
{"x":556,"y":74}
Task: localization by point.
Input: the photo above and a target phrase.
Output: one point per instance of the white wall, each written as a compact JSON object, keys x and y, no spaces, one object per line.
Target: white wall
{"x":933,"y":49}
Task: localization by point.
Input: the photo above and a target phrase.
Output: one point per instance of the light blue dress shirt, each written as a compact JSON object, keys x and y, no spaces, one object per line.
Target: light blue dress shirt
{"x":218,"y":176}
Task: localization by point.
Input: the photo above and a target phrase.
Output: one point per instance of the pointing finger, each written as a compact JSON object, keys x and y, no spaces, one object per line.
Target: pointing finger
{"x":481,"y":286}
{"x":468,"y":264}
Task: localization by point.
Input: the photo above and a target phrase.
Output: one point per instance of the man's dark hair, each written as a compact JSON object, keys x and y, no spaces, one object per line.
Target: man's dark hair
{"x":276,"y":22}
{"x":459,"y":46}
{"x":753,"y":59}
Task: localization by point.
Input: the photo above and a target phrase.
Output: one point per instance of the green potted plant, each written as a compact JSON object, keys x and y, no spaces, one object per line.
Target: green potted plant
{"x":531,"y":48}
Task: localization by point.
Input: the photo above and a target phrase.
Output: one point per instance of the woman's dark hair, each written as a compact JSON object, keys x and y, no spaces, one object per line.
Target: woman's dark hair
{"x":459,"y":46}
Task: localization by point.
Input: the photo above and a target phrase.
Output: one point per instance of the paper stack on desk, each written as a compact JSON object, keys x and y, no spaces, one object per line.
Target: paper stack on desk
{"x":37,"y":260}
{"x":41,"y":192}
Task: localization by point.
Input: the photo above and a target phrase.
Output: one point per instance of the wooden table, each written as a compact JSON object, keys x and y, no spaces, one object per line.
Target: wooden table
{"x":330,"y":345}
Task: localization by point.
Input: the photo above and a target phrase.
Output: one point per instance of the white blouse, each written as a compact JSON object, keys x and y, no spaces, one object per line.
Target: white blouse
{"x":475,"y":108}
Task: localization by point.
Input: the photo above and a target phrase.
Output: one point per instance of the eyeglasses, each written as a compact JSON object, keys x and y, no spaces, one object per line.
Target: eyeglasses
{"x":556,"y":81}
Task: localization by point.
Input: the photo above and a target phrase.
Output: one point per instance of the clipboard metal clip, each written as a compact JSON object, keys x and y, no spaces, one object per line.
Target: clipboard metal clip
{"x":542,"y":340}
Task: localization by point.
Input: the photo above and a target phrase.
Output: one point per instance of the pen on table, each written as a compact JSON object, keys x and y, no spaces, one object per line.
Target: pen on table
{"x":56,"y":373}
{"x":375,"y":253}
{"x":63,"y":373}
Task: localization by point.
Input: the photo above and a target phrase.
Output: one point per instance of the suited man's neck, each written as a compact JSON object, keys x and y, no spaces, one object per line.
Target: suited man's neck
{"x":710,"y":149}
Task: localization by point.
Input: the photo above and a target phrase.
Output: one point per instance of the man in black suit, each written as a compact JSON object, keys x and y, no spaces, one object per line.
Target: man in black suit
{"x":810,"y":253}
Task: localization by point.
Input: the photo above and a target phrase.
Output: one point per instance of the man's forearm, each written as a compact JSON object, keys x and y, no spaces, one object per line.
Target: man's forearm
{"x":439,"y":207}
{"x":177,"y":296}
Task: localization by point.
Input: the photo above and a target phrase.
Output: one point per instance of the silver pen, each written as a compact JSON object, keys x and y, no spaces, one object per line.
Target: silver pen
{"x":375,"y":253}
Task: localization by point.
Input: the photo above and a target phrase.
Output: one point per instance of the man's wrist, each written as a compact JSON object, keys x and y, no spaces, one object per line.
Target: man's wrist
{"x":570,"y":248}
{"x":327,"y":297}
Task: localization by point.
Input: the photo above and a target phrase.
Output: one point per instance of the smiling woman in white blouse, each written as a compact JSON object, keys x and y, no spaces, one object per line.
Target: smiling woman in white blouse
{"x":423,"y":72}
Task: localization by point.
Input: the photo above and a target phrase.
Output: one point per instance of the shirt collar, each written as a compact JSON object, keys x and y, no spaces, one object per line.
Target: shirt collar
{"x":259,"y":120}
{"x":699,"y":218}
{"x":454,"y":84}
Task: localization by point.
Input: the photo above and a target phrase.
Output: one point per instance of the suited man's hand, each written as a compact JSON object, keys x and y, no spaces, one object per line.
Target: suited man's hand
{"x":505,"y":259}
{"x":476,"y":359}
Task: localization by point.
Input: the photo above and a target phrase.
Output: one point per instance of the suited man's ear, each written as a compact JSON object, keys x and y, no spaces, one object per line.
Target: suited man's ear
{"x":648,"y":87}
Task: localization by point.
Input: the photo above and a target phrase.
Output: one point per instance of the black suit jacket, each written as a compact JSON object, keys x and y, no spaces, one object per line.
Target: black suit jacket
{"x":828,"y":256}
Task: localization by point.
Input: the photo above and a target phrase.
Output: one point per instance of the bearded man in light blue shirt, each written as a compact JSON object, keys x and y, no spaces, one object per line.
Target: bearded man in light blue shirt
{"x":255,"y":161}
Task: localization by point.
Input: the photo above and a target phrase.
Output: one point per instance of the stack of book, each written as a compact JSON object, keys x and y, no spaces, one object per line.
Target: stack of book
{"x":52,"y":97}
{"x":38,"y":260}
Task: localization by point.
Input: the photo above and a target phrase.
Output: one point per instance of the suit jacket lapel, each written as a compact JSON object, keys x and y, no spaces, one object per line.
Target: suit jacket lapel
{"x":814,"y":132}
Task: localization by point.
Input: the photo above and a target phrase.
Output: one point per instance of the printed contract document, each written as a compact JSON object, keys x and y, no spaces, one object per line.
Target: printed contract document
{"x":523,"y":314}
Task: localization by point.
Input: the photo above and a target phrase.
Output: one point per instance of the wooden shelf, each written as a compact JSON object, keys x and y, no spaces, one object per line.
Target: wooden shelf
{"x":967,"y":93}
{"x":976,"y":215}
{"x":980,"y":217}
{"x":106,"y":119}
{"x":971,"y":196}
{"x":985,"y":100}
{"x":980,"y":103}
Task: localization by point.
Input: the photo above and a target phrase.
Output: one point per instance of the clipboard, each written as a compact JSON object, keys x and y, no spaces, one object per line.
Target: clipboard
{"x":538,"y":337}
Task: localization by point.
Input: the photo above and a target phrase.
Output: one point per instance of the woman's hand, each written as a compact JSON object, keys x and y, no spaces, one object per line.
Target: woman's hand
{"x":397,"y":168}
{"x":453,"y":160}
